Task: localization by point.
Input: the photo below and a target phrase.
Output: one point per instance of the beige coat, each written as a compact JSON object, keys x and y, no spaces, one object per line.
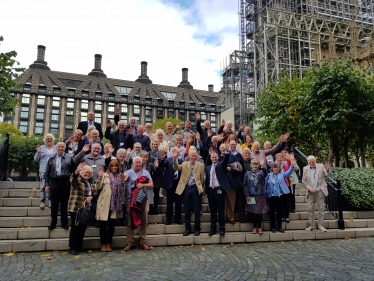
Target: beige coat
{"x":320,"y":174}
{"x":103,"y":203}
{"x":199,"y":172}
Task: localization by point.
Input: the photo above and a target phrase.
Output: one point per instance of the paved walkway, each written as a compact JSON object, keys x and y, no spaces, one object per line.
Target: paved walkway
{"x":350,"y":259}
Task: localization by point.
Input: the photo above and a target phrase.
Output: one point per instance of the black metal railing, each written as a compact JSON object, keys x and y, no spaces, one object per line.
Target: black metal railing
{"x":334,"y":200}
{"x":4,"y":154}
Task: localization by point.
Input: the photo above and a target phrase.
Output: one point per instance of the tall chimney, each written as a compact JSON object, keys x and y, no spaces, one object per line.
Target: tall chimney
{"x":97,"y":71}
{"x":185,"y":84}
{"x":210,"y":87}
{"x":143,"y":78}
{"x":40,"y":63}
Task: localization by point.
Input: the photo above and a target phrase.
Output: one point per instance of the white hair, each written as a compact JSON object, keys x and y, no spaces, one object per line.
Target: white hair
{"x":138,"y":144}
{"x":121,"y":150}
{"x":228,"y":122}
{"x":49,"y":136}
{"x":137,"y":158}
{"x":94,"y":132}
{"x":160,"y":131}
{"x":311,"y":157}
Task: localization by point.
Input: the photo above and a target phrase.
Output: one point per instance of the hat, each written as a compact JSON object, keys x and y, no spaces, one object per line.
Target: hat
{"x":255,"y":161}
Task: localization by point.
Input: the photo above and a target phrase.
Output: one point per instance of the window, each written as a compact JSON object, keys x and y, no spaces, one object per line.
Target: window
{"x":41,"y":100}
{"x":123,"y":112}
{"x":24,"y":112}
{"x":111,"y":96}
{"x":55,"y":114}
{"x":56,"y":102}
{"x":181,"y":104}
{"x":40,"y":113}
{"x":160,"y":102}
{"x":98,"y":106}
{"x":99,"y":96}
{"x":212,"y":117}
{"x":83,"y":116}
{"x":171,"y":103}
{"x":70,"y":103}
{"x":171,"y":113}
{"x":39,"y":128}
{"x":71,"y":92}
{"x":182,"y":115}
{"x":192,"y":104}
{"x":160,"y":113}
{"x":98,"y":119}
{"x":192,"y":116}
{"x":203,"y":115}
{"x":23,"y":126}
{"x":84,"y":104}
{"x":136,"y":109}
{"x":137,"y":99}
{"x":42,"y":89}
{"x":148,"y":111}
{"x":54,"y":129}
{"x":148,"y":101}
{"x":27,"y":87}
{"x":56,"y":91}
{"x":26,"y":98}
{"x":84,"y":94}
{"x":123,"y":90}
{"x":169,"y":96}
{"x":111,"y":107}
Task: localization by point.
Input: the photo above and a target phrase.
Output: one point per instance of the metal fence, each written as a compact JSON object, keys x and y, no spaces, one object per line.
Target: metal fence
{"x":4,"y":153}
{"x":334,"y":200}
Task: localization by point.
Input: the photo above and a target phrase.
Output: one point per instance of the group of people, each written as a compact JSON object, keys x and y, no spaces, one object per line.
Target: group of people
{"x":122,"y":179}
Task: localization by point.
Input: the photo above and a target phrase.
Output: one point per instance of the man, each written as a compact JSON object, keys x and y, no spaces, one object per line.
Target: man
{"x":94,"y":159}
{"x":132,"y":154}
{"x":257,"y":153}
{"x":131,"y":125}
{"x":187,"y":130}
{"x":119,"y":138}
{"x":171,"y":179}
{"x":83,"y":126}
{"x":206,"y":135}
{"x":247,"y":132}
{"x":191,"y":185}
{"x":57,"y":182}
{"x":170,"y":136}
{"x":216,"y":184}
{"x":314,"y":181}
{"x":139,"y":137}
{"x":131,"y":176}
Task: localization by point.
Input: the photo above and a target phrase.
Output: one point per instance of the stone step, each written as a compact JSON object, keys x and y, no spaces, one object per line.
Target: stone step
{"x":36,"y":245}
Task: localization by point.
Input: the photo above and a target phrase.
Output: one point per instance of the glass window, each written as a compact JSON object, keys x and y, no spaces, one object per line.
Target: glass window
{"x":148,"y":111}
{"x":111,"y":96}
{"x":39,"y":128}
{"x":27,"y":87}
{"x":124,"y":108}
{"x":111,"y":116}
{"x":83,"y":116}
{"x":23,"y":125}
{"x":171,"y":113}
{"x":203,"y":116}
{"x":71,"y":92}
{"x":56,"y":91}
{"x":98,"y":119}
{"x":111,"y":107}
{"x":169,"y":96}
{"x":70,"y":103}
{"x":123,"y":90}
{"x":148,"y":119}
{"x":26,"y":98}
{"x":84,"y":104}
{"x":42,"y":89}
{"x":98,"y":105}
{"x":56,"y":102}
{"x":212,"y":117}
{"x":182,"y":115}
{"x":160,"y":113}
{"x":84,"y":94}
{"x":148,"y":101}
{"x":136,"y":109}
{"x":98,"y":96}
{"x":41,"y":100}
{"x":55,"y":117}
{"x":24,"y":112}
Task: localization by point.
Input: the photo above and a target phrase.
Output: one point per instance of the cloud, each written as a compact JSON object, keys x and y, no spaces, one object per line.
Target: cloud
{"x":169,"y":35}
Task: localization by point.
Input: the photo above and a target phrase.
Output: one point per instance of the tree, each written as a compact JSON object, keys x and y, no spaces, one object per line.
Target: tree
{"x":8,"y":75}
{"x":6,"y":128}
{"x":161,"y":124}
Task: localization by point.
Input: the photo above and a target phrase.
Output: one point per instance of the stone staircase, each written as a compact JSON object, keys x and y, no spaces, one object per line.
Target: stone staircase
{"x":23,"y":226}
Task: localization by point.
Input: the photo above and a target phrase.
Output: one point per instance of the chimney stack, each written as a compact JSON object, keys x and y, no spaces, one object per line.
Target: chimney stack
{"x":40,"y":63}
{"x":97,"y":71}
{"x":143,"y":78}
{"x":185,"y":84}
{"x":210,"y":88}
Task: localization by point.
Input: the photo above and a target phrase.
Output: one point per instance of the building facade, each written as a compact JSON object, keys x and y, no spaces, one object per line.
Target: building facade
{"x":55,"y":102}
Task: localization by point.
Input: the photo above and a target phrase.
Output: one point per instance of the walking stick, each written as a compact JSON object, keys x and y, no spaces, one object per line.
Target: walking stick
{"x":313,"y":219}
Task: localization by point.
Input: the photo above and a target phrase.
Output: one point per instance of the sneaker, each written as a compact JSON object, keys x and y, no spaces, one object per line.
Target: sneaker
{"x":309,"y":228}
{"x":41,"y":206}
{"x":321,"y":228}
{"x":49,"y":205}
{"x":254,"y":231}
{"x":259,"y":231}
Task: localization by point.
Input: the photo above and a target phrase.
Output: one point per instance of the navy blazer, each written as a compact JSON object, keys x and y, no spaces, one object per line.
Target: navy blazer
{"x":220,"y":173}
{"x":83,"y":126}
{"x":169,"y":172}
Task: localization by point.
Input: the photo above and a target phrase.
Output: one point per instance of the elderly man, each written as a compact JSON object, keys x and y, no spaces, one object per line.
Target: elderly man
{"x":257,"y":153}
{"x":247,"y":132}
{"x":57,"y":182}
{"x":131,"y":176}
{"x":83,"y":126}
{"x":191,"y":185}
{"x":206,"y":135}
{"x":119,"y":138}
{"x":94,"y":159}
{"x":170,"y":136}
{"x":131,"y":125}
{"x":314,"y":181}
{"x":187,"y":130}
{"x":139,"y":137}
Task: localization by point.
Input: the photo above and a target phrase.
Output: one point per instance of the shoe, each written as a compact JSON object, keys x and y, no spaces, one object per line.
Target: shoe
{"x":178,"y":222}
{"x":242,"y":220}
{"x":293,"y":211}
{"x":197,"y":232}
{"x":321,"y":228}
{"x":259,"y":231}
{"x":232,"y":221}
{"x":145,"y":247}
{"x":309,"y":228}
{"x":51,"y":227}
{"x":212,"y":232}
{"x":254,"y":231}
{"x":273,"y":230}
{"x":222,"y":232}
{"x":108,"y":248}
{"x":168,"y":222}
{"x":281,"y":230}
{"x":103,"y":248}
{"x":97,"y":225}
{"x":73,"y":252}
{"x":81,"y":250}
{"x":65,"y":226}
{"x":187,"y":232}
{"x":287,"y":220}
{"x":127,"y":248}
{"x":41,"y":206}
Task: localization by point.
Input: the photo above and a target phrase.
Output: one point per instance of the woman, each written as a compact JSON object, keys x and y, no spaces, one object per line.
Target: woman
{"x":254,"y":186}
{"x":42,"y":155}
{"x":91,"y":137}
{"x":248,"y":143}
{"x":121,"y":157}
{"x":214,"y":144}
{"x":276,"y":192}
{"x":148,"y":131}
{"x":110,"y":203}
{"x":73,"y":142}
{"x":81,"y":193}
{"x":163,"y":145}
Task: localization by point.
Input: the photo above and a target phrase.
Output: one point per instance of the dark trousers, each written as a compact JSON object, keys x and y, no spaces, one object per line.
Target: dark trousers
{"x":204,"y":153}
{"x":217,"y":204}
{"x":293,"y":202}
{"x":76,"y":233}
{"x":241,"y":203}
{"x":276,"y":204}
{"x":286,"y":204}
{"x":257,"y":220}
{"x":107,"y":231}
{"x":191,"y":198}
{"x":172,"y":197}
{"x":60,"y":192}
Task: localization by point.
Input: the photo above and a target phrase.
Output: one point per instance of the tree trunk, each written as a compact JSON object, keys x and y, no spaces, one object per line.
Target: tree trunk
{"x":336,"y":150}
{"x":331,"y":152}
{"x":362,"y":152}
{"x":357,"y":158}
{"x":346,"y":157}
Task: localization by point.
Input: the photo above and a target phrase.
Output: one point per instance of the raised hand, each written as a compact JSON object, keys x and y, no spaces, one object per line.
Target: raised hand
{"x":293,"y":161}
{"x":156,"y":163}
{"x":262,"y":160}
{"x":223,"y":122}
{"x":86,"y":148}
{"x":178,"y":126}
{"x":221,"y":136}
{"x":210,"y":133}
{"x":118,"y":111}
{"x":38,"y":149}
{"x":197,"y":115}
{"x":210,"y":150}
{"x":100,"y":172}
{"x":129,"y":150}
{"x":291,"y":156}
{"x":122,"y":177}
{"x":198,"y":136}
{"x":81,"y":166}
{"x":241,"y":127}
{"x":175,"y":154}
{"x":108,"y":123}
{"x":326,"y":166}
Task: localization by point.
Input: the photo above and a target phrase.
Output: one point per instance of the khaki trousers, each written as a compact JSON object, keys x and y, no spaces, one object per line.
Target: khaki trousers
{"x":230,"y":204}
{"x":142,"y":227}
{"x":320,"y":202}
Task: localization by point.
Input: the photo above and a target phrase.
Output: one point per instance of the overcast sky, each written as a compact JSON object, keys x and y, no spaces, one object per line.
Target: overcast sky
{"x":168,"y":34}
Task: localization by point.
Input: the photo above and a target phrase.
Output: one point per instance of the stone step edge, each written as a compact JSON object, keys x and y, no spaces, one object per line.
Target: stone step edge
{"x":61,"y":244}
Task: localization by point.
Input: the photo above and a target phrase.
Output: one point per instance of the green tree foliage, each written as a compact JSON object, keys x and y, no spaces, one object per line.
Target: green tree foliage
{"x":161,"y":124}
{"x":6,"y":128}
{"x":8,"y":74}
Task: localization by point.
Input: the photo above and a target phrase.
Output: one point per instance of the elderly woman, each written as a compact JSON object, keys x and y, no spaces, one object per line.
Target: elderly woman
{"x":160,"y":136}
{"x":132,"y":154}
{"x":111,"y":202}
{"x":121,"y":157}
{"x":255,"y":192}
{"x":42,"y":155}
{"x":248,"y":143}
{"x":276,"y":192}
{"x":108,"y":152}
{"x":73,"y":142}
{"x":81,"y":193}
{"x":91,"y":138}
{"x":148,"y":131}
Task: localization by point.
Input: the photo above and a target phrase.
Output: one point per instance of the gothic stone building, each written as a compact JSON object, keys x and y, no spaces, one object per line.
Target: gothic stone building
{"x":55,"y":102}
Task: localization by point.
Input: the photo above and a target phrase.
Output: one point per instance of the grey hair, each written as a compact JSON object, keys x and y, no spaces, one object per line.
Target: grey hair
{"x":160,"y":131}
{"x":174,"y":148}
{"x":137,"y":144}
{"x":121,"y":150}
{"x":60,"y":142}
{"x":49,"y":135}
{"x":136,"y":158}
{"x":144,"y":153}
{"x":311,"y":157}
{"x":95,"y":144}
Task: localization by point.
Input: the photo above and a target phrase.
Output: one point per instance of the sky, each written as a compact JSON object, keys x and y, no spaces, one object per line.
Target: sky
{"x":168,"y":34}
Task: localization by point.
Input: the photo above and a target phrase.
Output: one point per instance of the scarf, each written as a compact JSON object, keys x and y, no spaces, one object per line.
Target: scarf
{"x":276,"y":187}
{"x":117,"y":193}
{"x":253,"y":182}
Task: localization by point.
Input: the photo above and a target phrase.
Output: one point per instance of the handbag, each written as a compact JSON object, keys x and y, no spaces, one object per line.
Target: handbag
{"x":85,"y":214}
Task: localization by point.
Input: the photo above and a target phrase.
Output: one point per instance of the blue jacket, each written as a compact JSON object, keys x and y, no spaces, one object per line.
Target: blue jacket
{"x":282,"y":183}
{"x":220,"y":173}
{"x":169,"y":172}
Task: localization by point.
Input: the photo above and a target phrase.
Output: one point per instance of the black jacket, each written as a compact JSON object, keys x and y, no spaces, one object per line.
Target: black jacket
{"x":67,"y":168}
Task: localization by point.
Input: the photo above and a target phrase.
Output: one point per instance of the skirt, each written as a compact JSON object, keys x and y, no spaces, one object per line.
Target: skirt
{"x":260,"y":207}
